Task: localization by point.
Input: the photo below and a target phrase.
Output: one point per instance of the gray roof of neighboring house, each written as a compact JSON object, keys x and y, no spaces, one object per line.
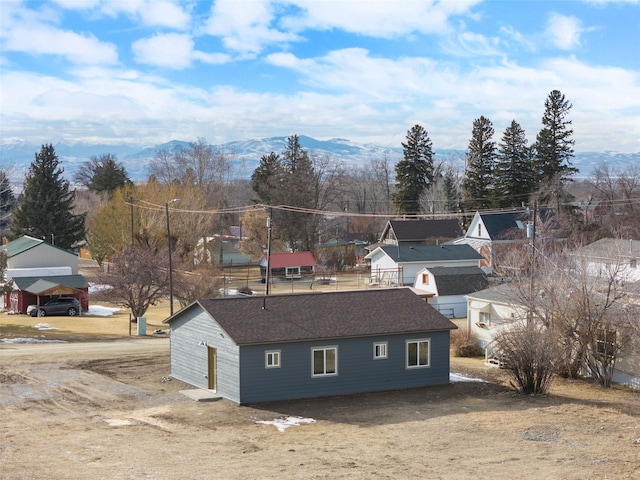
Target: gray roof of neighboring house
{"x":498,"y":224}
{"x":37,"y":285}
{"x":322,"y":316}
{"x":610,"y":248}
{"x":421,"y":230}
{"x":22,"y":244}
{"x":459,"y":280}
{"x":505,"y":293}
{"x":430,"y":253}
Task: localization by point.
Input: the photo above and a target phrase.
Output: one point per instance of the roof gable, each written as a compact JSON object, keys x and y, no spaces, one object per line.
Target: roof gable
{"x":422,"y":230}
{"x":321,"y":316}
{"x":25,"y":243}
{"x":459,"y":280}
{"x":38,"y":285}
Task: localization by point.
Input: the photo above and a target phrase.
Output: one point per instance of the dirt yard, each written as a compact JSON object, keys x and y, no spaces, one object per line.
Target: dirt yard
{"x":107,"y":409}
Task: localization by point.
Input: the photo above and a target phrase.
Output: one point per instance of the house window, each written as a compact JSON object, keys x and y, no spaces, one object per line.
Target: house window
{"x":425,"y":279}
{"x":379,"y":350}
{"x":485,"y":317}
{"x":272,"y":359}
{"x":633,"y":263}
{"x":479,"y":229}
{"x":606,"y":342}
{"x":418,"y":353}
{"x":324,"y":361}
{"x":292,"y":272}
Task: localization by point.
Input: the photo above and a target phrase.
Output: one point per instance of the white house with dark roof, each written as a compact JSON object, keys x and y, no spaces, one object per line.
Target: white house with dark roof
{"x":393,"y":265}
{"x":279,"y":347}
{"x":446,"y":287}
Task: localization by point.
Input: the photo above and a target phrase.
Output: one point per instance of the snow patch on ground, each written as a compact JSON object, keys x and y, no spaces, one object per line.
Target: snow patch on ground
{"x":283,"y":423}
{"x":44,"y":326}
{"x":100,"y":311}
{"x":456,"y":377}
{"x":30,"y":340}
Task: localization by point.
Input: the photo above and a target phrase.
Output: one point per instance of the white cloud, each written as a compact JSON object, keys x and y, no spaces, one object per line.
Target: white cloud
{"x":563,"y":31}
{"x":245,"y":27}
{"x":41,"y":39}
{"x":468,"y":44}
{"x":171,"y":50}
{"x":160,"y":13}
{"x":380,"y":18}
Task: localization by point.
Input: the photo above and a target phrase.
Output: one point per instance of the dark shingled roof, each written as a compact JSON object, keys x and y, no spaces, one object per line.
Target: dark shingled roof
{"x":430,"y":253}
{"x":421,"y":230}
{"x":499,"y":224}
{"x":459,"y":280}
{"x":316,"y":316}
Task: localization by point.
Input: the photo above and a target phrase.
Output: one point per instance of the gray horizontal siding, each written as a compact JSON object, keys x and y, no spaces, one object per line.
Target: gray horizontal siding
{"x":358,"y":371}
{"x":189,"y":362}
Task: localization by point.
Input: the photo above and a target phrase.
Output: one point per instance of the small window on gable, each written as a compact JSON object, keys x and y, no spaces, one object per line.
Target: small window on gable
{"x":425,"y":279}
{"x":379,"y":350}
{"x":272,"y":359}
{"x":479,"y":229}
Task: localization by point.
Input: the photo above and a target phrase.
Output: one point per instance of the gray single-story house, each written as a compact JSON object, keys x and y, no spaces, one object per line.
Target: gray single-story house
{"x":260,"y":349}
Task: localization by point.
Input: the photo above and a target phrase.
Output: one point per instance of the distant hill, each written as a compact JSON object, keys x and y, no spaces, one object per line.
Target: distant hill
{"x":16,"y":157}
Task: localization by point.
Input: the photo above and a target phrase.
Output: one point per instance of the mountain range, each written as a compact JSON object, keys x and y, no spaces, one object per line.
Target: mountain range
{"x":15,"y":157}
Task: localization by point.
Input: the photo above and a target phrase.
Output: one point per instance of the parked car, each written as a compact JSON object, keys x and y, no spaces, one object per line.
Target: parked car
{"x":56,"y":306}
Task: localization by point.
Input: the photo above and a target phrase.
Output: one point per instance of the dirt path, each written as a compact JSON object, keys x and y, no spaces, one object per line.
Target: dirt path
{"x":107,"y":410}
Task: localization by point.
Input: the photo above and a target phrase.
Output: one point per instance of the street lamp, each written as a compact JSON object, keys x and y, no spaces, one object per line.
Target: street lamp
{"x":170,"y":263}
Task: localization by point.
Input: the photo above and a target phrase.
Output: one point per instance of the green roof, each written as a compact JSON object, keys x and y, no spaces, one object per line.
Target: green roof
{"x":25,"y":243}
{"x":36,"y":285}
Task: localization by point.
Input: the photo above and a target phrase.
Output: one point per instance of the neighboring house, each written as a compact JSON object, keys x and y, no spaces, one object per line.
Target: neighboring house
{"x":448,"y":286}
{"x":260,"y":349}
{"x":221,"y":251}
{"x":293,"y":265}
{"x":38,"y":271}
{"x":495,"y":309}
{"x":607,"y":253}
{"x":491,"y":310}
{"x":398,"y":264}
{"x":416,"y":232}
{"x":488,"y":231}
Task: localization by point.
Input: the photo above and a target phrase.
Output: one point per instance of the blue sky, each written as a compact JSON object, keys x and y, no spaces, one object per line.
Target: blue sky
{"x":149,"y":71}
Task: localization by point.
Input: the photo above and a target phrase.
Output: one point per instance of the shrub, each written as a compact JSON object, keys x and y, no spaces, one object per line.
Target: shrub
{"x":464,"y":344}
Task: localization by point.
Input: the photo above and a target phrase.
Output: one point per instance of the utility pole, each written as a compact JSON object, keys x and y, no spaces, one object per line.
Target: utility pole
{"x":170,"y":262}
{"x":269,"y":227}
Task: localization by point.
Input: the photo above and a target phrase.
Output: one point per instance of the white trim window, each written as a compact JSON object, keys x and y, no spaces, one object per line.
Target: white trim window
{"x":272,"y":359}
{"x":292,"y":272}
{"x":379,"y":350}
{"x":324,"y":361}
{"x":419,"y":353}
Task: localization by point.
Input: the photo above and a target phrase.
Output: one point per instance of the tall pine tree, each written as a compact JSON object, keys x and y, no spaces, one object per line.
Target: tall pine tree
{"x":554,"y":145}
{"x":7,"y":202}
{"x":414,"y":173}
{"x":514,"y":171}
{"x":477,"y":186}
{"x":46,"y":206}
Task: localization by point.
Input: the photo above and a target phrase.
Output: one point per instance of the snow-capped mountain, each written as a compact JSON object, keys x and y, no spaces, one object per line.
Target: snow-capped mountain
{"x":17,"y":156}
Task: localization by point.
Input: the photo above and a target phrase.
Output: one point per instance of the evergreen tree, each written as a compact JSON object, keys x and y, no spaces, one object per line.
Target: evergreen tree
{"x":414,"y":173}
{"x":450,"y":191}
{"x":266,"y":177}
{"x":514,"y":171}
{"x":554,"y":145}
{"x":477,"y":187}
{"x":46,"y":207}
{"x":7,"y":202}
{"x":103,"y":174}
